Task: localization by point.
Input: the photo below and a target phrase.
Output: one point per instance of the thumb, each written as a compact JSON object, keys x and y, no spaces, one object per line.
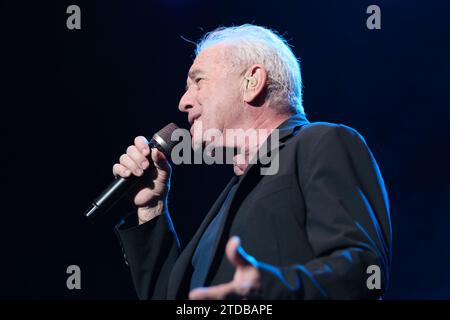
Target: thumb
{"x":160,"y":161}
{"x":233,"y":255}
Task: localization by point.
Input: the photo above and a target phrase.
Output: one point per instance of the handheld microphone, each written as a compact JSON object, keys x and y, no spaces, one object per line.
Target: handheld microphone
{"x":120,"y":186}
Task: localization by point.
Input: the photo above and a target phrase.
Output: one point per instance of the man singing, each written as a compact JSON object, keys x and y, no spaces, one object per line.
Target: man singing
{"x":316,"y":229}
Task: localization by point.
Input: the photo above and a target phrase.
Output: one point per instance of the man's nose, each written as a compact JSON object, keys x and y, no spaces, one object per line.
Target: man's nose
{"x":185,"y":102}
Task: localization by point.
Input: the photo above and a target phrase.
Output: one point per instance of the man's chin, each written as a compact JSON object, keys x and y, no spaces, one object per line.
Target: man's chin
{"x":197,"y":145}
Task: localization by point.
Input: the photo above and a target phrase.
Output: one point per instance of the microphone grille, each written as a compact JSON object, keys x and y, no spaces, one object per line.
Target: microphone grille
{"x":163,"y":138}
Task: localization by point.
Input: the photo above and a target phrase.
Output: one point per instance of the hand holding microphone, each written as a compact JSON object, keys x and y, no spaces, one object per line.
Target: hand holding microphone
{"x":143,"y":170}
{"x":150,"y":195}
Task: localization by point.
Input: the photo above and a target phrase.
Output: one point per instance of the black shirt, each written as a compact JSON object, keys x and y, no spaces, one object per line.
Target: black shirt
{"x":204,"y":251}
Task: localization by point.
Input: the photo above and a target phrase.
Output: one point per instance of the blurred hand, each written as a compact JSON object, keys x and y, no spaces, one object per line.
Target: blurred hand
{"x":244,"y":284}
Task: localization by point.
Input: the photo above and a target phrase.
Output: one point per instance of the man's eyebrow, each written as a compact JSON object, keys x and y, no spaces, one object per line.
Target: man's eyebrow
{"x":192,"y":75}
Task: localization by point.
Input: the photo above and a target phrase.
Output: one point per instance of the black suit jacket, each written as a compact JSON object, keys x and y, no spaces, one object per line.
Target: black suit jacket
{"x":312,"y":229}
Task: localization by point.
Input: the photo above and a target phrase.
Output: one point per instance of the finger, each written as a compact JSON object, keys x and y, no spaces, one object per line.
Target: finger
{"x":248,"y":282}
{"x":218,"y":292}
{"x":233,"y":255}
{"x":120,"y":170}
{"x":141,"y":144}
{"x":138,"y":157}
{"x":127,"y":162}
{"x":160,"y":161}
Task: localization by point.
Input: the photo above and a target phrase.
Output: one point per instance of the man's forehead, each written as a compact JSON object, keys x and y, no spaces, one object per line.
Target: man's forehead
{"x":209,"y":58}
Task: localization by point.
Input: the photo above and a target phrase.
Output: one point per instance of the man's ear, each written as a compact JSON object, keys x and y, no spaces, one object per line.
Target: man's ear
{"x":255,"y":83}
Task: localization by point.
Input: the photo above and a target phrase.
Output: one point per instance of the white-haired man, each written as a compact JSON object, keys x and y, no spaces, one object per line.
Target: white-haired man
{"x":310,"y":231}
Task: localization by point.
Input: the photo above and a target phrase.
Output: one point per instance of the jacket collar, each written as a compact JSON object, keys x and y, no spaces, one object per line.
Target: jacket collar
{"x":288,"y":127}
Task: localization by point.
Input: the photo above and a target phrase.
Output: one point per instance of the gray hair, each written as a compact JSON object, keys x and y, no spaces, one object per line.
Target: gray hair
{"x":254,"y":44}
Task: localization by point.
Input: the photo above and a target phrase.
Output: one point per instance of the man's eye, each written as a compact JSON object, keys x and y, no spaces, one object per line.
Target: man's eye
{"x":198,"y":80}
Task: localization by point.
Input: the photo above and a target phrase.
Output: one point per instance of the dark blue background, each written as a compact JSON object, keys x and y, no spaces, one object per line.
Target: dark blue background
{"x":72,"y":101}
